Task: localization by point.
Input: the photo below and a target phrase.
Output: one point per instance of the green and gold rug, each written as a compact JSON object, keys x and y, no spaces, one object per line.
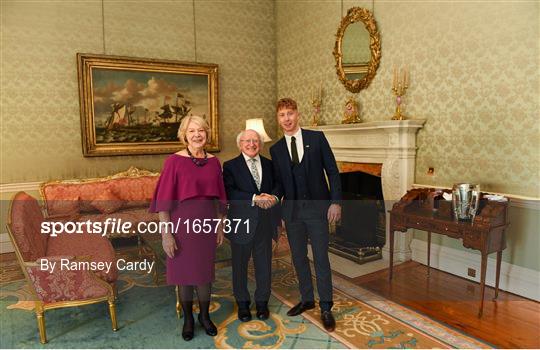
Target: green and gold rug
{"x":147,"y":319}
{"x":366,"y":320}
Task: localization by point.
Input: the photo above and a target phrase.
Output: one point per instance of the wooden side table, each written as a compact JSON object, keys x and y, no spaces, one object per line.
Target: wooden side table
{"x":425,"y":210}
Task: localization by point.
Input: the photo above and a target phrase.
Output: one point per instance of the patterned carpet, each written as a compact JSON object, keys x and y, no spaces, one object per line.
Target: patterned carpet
{"x":147,"y":318}
{"x":365,"y":320}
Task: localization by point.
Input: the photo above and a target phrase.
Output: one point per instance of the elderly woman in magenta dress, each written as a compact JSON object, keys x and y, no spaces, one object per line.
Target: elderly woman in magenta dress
{"x":191,"y":188}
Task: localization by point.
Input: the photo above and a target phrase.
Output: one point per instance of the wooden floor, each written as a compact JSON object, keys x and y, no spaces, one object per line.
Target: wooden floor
{"x":511,"y":322}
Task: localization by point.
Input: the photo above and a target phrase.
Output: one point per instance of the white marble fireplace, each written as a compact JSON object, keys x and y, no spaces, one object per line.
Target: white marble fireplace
{"x":391,"y":143}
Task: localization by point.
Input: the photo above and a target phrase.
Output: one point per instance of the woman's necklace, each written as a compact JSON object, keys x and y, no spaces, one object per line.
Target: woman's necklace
{"x":198,"y":161}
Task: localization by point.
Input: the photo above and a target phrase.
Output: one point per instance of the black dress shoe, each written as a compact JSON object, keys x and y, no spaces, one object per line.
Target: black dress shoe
{"x":209,"y":326}
{"x":262,"y":310}
{"x":244,"y":314}
{"x":328,"y":321}
{"x":300,"y":307}
{"x":263,"y":313}
{"x":187,"y":331}
{"x":187,"y":335}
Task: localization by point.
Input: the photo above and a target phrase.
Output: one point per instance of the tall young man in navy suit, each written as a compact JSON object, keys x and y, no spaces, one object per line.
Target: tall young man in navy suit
{"x":252,"y":194}
{"x":301,"y":159}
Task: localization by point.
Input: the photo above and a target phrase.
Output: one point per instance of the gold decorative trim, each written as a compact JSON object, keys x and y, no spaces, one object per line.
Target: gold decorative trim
{"x":132,"y":173}
{"x":358,"y":14}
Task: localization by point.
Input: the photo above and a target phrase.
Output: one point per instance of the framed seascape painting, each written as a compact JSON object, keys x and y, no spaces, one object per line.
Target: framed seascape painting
{"x":134,"y":106}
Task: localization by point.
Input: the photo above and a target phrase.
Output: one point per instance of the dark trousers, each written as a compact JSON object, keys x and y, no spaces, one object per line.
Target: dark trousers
{"x":308,"y":223}
{"x":261,"y":249}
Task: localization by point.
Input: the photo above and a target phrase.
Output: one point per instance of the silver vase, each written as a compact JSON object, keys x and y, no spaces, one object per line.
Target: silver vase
{"x":465,"y":199}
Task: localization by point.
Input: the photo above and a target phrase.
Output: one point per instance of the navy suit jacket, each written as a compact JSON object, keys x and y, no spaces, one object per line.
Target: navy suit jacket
{"x":240,"y":188}
{"x":319,"y":159}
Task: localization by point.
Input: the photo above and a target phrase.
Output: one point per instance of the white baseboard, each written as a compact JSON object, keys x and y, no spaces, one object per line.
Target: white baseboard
{"x":514,"y":279}
{"x":5,"y":244}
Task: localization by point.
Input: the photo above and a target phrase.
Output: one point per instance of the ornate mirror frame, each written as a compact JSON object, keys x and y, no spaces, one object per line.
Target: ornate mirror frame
{"x":358,"y":14}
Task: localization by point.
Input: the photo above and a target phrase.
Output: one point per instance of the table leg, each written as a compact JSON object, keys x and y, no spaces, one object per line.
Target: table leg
{"x":482,"y":282}
{"x":498,"y":274}
{"x":428,"y":251}
{"x":391,"y":253}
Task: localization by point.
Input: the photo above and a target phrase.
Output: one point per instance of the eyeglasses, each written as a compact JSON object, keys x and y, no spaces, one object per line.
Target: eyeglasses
{"x":253,"y":141}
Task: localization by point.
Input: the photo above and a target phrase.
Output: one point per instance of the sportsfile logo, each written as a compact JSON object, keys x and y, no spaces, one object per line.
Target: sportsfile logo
{"x":119,"y":226}
{"x":110,"y":225}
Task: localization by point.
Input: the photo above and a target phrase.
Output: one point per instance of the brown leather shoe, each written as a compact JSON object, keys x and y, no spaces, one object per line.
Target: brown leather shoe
{"x":300,"y":307}
{"x":328,"y":321}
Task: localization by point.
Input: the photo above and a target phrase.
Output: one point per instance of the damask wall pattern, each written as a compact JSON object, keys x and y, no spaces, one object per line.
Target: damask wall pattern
{"x":475,"y":78}
{"x":40,"y":134}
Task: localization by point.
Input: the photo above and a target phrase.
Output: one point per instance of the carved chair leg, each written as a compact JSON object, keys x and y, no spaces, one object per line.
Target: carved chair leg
{"x":112,"y":311}
{"x":178,"y":301}
{"x":40,"y":315}
{"x":115,"y":290}
{"x":155,"y":270}
{"x":139,"y":244}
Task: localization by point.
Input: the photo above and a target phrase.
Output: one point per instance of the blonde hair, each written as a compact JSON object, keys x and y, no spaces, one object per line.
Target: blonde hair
{"x":182,"y":130}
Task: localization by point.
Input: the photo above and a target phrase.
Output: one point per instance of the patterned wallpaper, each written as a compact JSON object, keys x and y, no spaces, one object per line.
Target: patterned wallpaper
{"x":475,"y":78}
{"x":40,"y":133}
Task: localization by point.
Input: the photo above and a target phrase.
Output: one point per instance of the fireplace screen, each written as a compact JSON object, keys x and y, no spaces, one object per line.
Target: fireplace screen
{"x":361,"y":233}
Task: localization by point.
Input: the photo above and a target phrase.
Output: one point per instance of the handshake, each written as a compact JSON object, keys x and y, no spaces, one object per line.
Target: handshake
{"x":265,"y":200}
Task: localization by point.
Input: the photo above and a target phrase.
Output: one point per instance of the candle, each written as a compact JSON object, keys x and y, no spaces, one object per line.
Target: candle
{"x":394,"y":82}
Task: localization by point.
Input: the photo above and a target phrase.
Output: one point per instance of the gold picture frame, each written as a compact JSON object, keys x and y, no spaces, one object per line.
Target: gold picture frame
{"x":133,"y":106}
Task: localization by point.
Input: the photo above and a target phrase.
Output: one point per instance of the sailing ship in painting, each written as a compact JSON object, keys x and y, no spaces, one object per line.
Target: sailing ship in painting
{"x":136,"y":106}
{"x":129,"y":123}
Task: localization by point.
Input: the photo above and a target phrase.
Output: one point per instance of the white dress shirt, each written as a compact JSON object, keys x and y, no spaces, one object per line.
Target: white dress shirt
{"x":299,"y":144}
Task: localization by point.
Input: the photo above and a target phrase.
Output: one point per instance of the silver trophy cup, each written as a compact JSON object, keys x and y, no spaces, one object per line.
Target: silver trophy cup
{"x":465,"y":198}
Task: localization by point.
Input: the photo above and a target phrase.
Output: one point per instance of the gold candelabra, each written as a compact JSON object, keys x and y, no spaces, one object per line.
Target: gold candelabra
{"x":400,"y":84}
{"x":316,"y":102}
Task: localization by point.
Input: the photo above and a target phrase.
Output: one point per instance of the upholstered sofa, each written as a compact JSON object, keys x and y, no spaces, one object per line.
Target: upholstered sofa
{"x":124,"y":196}
{"x":47,"y":263}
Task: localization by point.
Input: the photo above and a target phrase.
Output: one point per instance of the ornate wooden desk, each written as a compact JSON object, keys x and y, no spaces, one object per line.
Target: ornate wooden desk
{"x":424,"y":209}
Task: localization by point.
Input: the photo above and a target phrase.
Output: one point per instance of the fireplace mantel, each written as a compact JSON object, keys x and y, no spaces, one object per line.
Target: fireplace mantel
{"x":391,"y":143}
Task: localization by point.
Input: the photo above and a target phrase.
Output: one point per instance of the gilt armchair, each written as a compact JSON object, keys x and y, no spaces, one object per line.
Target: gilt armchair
{"x":60,"y":287}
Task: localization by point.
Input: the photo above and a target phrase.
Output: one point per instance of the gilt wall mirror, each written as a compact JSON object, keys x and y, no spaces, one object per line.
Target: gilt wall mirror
{"x":358,"y":49}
